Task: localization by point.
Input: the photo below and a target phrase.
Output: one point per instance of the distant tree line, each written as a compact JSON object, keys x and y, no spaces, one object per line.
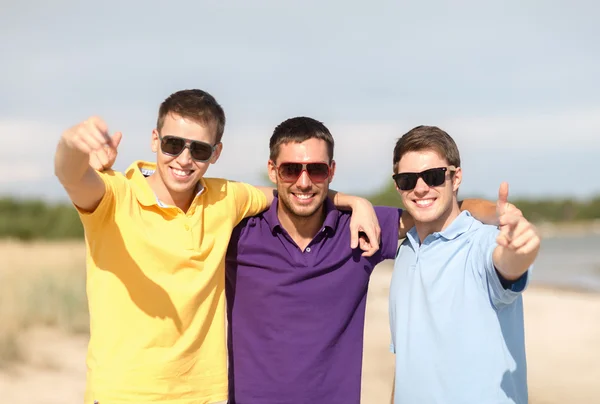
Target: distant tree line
{"x":36,"y":219}
{"x":28,"y":219}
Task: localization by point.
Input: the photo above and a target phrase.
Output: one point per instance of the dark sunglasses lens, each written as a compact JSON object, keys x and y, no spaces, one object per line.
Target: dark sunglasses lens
{"x":290,"y":171}
{"x":434,"y":177}
{"x":406,"y":181}
{"x":201,"y":151}
{"x":317,"y":171}
{"x":172,"y":145}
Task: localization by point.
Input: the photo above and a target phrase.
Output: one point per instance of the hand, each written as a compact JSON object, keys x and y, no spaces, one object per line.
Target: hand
{"x":91,"y":137}
{"x":502,"y":205}
{"x":364,"y":220}
{"x":517,"y":234}
{"x":107,"y":153}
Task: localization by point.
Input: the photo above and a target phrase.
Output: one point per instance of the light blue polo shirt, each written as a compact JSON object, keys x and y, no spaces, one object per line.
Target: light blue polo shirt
{"x":456,"y":331}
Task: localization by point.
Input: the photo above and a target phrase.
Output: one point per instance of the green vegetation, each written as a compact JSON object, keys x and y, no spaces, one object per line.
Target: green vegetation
{"x":39,"y":220}
{"x":36,"y":219}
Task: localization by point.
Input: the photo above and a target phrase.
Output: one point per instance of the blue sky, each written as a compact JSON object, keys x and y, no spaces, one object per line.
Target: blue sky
{"x":515,"y":83}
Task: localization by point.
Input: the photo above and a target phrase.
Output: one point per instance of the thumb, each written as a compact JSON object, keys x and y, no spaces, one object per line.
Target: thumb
{"x":502,"y":197}
{"x":116,"y":139}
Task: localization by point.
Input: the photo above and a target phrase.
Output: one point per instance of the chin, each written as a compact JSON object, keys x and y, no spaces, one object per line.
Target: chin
{"x":424,"y":216}
{"x":182,"y":187}
{"x":304,"y":211}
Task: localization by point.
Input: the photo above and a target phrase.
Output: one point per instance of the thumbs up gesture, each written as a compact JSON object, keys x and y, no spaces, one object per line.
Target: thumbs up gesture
{"x":516,"y":232}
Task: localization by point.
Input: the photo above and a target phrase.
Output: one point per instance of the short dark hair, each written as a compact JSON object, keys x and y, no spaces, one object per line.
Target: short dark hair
{"x":197,"y":105}
{"x":298,"y":130}
{"x":427,"y":138}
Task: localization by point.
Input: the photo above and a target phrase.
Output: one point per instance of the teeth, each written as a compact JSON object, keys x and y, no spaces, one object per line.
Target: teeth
{"x":181,"y":173}
{"x":424,"y":202}
{"x":303,"y":196}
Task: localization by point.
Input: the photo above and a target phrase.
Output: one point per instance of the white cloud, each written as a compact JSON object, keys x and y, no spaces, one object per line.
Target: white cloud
{"x":567,"y":131}
{"x":26,"y":150}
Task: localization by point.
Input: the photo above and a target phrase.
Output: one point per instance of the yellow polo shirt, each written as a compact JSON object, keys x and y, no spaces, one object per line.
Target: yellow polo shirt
{"x":155,"y":285}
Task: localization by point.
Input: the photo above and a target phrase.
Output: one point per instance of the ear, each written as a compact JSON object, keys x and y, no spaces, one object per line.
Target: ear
{"x":155,"y":142}
{"x":331,"y":170}
{"x":272,"y":170}
{"x":217,"y":153}
{"x":456,"y":179}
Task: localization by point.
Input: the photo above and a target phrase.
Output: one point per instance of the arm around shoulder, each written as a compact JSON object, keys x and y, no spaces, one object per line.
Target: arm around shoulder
{"x":249,"y":199}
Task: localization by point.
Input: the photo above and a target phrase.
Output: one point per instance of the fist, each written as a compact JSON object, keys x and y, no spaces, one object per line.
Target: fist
{"x":91,"y":137}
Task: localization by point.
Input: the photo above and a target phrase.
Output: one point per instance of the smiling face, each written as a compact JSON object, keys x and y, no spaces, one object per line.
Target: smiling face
{"x":433,"y":207}
{"x":304,"y":197}
{"x":180,"y":174}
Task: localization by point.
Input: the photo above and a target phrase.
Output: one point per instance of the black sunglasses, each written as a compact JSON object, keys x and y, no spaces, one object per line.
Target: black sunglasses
{"x":434,"y":177}
{"x":174,"y":146}
{"x":290,"y":172}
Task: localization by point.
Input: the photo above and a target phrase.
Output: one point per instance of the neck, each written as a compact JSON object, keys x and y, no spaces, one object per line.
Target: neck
{"x":301,"y":229}
{"x":424,"y":229}
{"x":168,"y":197}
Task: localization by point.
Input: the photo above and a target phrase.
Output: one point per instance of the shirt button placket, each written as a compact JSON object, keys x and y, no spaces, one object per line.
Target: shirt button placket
{"x":189,"y":236}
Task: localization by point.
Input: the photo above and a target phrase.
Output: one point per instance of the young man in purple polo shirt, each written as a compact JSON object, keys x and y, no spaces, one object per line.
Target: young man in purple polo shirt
{"x":296,"y":291}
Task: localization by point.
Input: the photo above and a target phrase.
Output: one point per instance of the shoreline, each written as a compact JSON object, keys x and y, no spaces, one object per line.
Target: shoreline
{"x":569,"y":229}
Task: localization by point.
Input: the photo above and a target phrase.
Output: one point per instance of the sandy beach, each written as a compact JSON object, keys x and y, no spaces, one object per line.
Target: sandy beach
{"x":563,"y":345}
{"x":562,"y":337}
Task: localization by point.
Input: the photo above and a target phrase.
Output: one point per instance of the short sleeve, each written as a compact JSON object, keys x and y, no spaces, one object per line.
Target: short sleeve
{"x":389,"y":222}
{"x":249,"y":200}
{"x":484,"y":263}
{"x":114,"y":190}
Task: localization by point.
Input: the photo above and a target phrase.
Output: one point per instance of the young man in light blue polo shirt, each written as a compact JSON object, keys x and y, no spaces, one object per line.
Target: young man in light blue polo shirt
{"x":456,"y":310}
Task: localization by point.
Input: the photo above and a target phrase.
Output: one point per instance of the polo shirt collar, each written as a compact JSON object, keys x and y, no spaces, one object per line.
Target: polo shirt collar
{"x":137,"y":173}
{"x":329,"y":225}
{"x":460,"y":225}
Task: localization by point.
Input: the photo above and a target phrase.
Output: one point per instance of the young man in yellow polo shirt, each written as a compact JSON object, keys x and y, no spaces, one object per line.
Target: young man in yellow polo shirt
{"x":156,"y":238}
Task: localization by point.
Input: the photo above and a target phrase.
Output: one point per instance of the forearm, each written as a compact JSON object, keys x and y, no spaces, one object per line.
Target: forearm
{"x":343,"y":201}
{"x":406,"y":223}
{"x":70,"y":164}
{"x":481,"y":209}
{"x":512,"y":265}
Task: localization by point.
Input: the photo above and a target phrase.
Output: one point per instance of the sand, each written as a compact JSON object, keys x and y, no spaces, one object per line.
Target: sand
{"x":563,"y":346}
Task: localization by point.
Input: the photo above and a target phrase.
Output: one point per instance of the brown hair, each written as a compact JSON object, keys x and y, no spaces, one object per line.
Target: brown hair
{"x":427,"y":138}
{"x":298,"y":130}
{"x":197,"y":105}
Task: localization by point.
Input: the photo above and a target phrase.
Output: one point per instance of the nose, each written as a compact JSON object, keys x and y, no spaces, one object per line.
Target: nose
{"x":421,"y":187}
{"x":303,"y":181}
{"x":185,"y":158}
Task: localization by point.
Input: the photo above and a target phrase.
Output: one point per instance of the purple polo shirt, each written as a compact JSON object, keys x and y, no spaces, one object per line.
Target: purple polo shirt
{"x":296,"y":319}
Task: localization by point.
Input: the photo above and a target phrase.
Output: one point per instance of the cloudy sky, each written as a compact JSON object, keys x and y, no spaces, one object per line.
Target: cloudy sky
{"x":516,"y":83}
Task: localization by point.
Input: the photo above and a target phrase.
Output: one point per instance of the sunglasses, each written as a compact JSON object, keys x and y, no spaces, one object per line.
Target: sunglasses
{"x":174,"y":146}
{"x":434,"y":177}
{"x":290,"y":172}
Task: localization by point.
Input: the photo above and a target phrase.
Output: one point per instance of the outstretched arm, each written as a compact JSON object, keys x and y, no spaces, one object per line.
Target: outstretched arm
{"x":518,"y":241}
{"x":76,"y":149}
